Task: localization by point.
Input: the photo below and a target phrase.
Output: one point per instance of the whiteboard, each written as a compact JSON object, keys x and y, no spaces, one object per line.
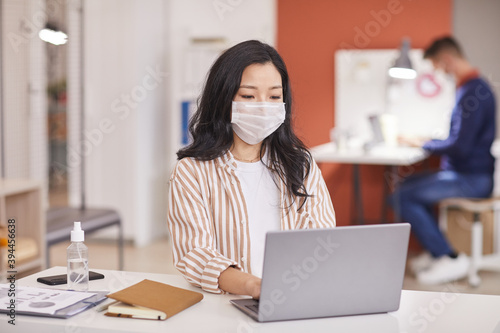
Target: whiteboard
{"x":422,"y":107}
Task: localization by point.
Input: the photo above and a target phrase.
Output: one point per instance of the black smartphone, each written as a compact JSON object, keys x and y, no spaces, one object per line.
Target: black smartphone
{"x":62,"y":279}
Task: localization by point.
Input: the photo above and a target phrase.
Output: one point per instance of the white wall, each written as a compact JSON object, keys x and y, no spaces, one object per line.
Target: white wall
{"x":125,"y":112}
{"x":128,"y":167}
{"x":24,"y":90}
{"x":476,"y":25}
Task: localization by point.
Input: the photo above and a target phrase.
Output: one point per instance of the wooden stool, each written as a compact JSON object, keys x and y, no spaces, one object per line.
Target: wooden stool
{"x":476,"y":206}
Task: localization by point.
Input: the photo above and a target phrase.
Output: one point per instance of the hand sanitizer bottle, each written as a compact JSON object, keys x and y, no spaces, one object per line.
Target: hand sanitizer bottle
{"x":78,"y":267}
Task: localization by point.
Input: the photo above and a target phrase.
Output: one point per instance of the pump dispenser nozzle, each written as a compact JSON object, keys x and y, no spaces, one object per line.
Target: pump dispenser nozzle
{"x":77,"y":234}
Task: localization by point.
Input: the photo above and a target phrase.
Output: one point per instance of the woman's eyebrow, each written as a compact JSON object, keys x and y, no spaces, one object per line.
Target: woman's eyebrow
{"x":254,"y":87}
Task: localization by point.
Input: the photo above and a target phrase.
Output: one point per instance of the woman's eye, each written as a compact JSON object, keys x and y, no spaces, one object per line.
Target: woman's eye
{"x":247,"y":96}
{"x":275,"y":97}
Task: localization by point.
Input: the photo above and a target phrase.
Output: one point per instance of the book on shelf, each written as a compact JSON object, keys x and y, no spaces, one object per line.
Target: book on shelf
{"x":151,"y":300}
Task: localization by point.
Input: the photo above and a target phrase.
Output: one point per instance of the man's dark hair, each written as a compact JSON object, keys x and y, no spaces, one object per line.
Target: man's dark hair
{"x":448,"y":44}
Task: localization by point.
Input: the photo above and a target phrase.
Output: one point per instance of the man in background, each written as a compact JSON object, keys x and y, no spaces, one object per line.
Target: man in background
{"x":466,"y":168}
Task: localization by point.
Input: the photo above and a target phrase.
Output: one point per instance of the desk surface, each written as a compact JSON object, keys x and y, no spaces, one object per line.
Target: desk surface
{"x":378,"y":155}
{"x":430,"y":312}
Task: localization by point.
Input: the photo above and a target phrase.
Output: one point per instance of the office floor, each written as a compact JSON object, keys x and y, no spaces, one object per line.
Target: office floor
{"x":157,"y":258}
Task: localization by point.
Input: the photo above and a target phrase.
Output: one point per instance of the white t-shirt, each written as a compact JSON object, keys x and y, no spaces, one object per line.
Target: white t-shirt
{"x":262,"y":197}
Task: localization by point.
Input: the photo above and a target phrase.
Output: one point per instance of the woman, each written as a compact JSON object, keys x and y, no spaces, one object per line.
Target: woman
{"x":244,"y":174}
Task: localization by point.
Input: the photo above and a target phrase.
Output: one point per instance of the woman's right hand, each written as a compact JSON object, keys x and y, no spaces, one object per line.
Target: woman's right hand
{"x":253,"y":286}
{"x":236,"y":282}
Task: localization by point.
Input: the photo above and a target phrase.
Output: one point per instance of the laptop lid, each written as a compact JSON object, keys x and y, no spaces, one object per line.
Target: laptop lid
{"x":333,"y":272}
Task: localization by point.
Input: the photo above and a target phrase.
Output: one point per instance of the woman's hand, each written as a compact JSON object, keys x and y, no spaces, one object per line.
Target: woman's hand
{"x":253,"y":287}
{"x":237,"y":282}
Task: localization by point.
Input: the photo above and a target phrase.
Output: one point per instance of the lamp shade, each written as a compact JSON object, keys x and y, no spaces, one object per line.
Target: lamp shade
{"x":402,"y":68}
{"x":51,"y":34}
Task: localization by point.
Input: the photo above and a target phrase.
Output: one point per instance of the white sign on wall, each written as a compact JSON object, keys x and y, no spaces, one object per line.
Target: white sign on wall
{"x":421,"y":106}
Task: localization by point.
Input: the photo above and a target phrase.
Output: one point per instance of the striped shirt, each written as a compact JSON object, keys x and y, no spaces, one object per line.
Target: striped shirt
{"x":207,"y":217}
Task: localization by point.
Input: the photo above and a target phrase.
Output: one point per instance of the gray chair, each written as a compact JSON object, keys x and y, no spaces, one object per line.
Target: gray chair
{"x":60,"y":223}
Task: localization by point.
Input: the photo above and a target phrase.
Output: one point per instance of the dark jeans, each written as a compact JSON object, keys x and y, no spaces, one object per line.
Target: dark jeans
{"x":418,"y":195}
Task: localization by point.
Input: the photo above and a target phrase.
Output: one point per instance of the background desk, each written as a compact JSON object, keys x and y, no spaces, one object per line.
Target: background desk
{"x":429,"y":312}
{"x":391,"y":157}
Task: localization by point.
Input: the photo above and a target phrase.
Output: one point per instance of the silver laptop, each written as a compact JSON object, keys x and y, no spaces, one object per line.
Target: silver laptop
{"x":339,"y":271}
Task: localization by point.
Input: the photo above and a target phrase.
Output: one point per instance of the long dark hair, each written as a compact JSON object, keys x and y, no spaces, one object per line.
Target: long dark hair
{"x":211,"y":129}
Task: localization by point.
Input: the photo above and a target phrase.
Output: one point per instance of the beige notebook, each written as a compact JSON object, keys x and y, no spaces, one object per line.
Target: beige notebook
{"x":152,"y":295}
{"x":125,"y":310}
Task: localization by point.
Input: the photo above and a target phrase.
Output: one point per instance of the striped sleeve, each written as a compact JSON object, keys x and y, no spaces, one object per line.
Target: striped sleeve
{"x":317,"y":211}
{"x":192,"y":232}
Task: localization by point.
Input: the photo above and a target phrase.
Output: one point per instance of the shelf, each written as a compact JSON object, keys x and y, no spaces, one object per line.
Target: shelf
{"x":15,"y":186}
{"x":20,"y":199}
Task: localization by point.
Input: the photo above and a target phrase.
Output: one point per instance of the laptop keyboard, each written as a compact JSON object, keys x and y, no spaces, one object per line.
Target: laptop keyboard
{"x":253,"y":307}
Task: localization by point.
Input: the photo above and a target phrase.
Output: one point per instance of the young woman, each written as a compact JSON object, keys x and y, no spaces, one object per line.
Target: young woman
{"x":244,"y":174}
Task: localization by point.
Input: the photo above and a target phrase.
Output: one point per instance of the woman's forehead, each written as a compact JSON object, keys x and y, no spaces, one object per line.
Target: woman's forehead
{"x":256,"y":75}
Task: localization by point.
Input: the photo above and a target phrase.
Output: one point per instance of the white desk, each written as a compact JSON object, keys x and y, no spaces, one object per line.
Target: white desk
{"x":430,"y":312}
{"x":378,"y":155}
{"x":392,"y":157}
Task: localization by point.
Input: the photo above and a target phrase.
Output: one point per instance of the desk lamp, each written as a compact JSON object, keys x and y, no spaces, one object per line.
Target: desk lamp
{"x":402,"y":69}
{"x":51,"y":34}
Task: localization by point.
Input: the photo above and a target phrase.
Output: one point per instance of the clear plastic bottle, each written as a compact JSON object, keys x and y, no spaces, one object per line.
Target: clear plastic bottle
{"x":78,"y":265}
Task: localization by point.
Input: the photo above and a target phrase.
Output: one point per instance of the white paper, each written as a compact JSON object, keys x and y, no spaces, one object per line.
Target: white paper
{"x":40,"y":300}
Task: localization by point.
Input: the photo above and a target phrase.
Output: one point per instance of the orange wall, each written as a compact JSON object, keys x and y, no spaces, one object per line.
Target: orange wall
{"x":309,"y":33}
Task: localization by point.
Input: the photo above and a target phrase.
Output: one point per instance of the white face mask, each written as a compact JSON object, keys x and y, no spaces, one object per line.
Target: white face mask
{"x":255,"y":121}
